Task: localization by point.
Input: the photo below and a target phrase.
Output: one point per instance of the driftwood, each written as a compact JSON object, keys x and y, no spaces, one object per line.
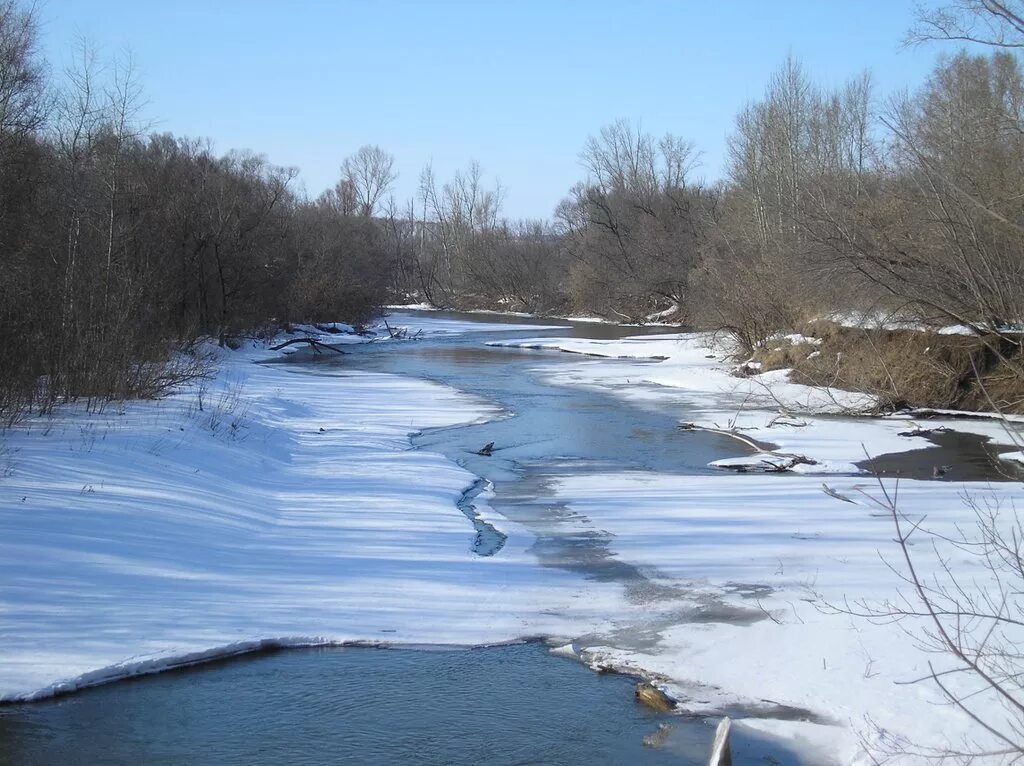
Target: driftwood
{"x":832,"y":492}
{"x":789,"y":464}
{"x":402,"y":333}
{"x":313,"y":344}
{"x":918,"y":431}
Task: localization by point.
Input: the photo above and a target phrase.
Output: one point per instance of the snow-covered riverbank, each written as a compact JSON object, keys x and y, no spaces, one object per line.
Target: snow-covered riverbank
{"x":290,"y":509}
{"x":692,"y":369}
{"x":816,"y":539}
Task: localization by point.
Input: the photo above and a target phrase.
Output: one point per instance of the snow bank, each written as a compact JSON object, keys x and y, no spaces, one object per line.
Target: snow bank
{"x":724,"y":535}
{"x":289,"y":509}
{"x":880,"y":320}
{"x":1017,"y":457}
{"x":874,"y":320}
{"x":640,"y":347}
{"x":412,"y":307}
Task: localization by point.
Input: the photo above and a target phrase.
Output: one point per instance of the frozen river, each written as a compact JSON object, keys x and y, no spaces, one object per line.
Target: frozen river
{"x":541,"y":496}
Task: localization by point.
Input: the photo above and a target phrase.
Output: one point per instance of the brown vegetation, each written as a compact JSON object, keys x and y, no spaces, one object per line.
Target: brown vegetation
{"x":118,"y":249}
{"x":903,"y":368}
{"x":651,"y":696}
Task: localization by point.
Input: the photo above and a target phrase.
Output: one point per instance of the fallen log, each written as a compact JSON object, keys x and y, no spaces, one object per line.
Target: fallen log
{"x":316,"y":345}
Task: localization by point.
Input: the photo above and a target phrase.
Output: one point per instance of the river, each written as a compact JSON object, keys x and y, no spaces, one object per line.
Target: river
{"x":512,"y":704}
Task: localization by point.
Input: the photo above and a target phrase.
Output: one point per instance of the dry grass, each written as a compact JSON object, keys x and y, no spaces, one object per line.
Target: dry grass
{"x":902,"y":367}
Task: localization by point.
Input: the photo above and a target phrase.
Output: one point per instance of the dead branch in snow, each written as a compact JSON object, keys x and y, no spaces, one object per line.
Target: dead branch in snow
{"x":832,"y":492}
{"x":314,"y":344}
{"x":972,"y":624}
{"x":401,"y":333}
{"x":786,"y":419}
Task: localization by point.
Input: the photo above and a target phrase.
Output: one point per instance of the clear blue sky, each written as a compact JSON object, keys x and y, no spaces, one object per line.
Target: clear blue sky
{"x":517,"y":86}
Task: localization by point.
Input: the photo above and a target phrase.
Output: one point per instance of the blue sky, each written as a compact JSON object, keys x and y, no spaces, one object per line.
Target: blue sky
{"x":517,"y":86}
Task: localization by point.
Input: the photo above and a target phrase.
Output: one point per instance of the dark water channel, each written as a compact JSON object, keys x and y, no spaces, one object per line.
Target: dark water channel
{"x":956,"y":456}
{"x":501,"y":705}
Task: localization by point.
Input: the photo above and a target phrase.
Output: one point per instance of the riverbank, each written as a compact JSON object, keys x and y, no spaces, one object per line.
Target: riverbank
{"x":763,"y":409}
{"x":290,"y":510}
{"x":806,"y":548}
{"x":287,"y":510}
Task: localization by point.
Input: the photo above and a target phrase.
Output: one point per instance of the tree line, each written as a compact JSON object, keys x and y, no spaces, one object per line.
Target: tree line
{"x":119,"y":247}
{"x":832,"y":199}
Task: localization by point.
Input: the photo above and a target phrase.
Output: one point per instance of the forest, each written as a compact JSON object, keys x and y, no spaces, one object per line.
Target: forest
{"x":120,"y":247}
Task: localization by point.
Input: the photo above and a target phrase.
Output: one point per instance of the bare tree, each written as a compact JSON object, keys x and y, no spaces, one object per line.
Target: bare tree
{"x":998,"y":23}
{"x":366,"y":177}
{"x":456,"y":232}
{"x":792,"y":156}
{"x":633,"y":226}
{"x":23,"y":101}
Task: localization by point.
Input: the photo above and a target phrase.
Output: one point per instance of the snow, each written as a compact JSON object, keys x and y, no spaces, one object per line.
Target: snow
{"x":873,"y":320}
{"x":639,"y":347}
{"x":796,"y":339}
{"x":494,"y":312}
{"x":653,"y":319}
{"x":430,"y":307}
{"x":716,"y":532}
{"x":403,"y":325}
{"x":412,"y":307}
{"x":658,"y":317}
{"x":880,"y":320}
{"x":290,"y":510}
{"x":813,"y":548}
{"x":956,"y":329}
{"x":344,"y":335}
{"x":336,"y":327}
